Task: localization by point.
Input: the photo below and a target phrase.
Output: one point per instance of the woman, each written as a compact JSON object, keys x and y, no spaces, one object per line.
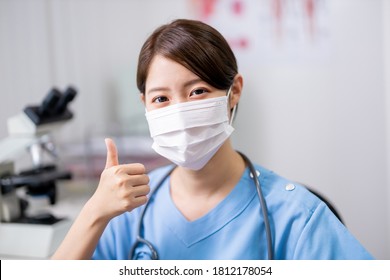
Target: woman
{"x":208,"y":207}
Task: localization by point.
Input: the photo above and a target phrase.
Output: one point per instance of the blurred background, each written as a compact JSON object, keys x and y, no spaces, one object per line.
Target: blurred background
{"x":315,"y":107}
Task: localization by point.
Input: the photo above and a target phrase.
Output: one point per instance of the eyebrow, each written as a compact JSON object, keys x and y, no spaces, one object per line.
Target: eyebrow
{"x":192,"y":82}
{"x":186,"y":84}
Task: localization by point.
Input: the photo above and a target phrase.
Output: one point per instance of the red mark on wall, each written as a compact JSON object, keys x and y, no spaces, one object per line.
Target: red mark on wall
{"x":310,"y":7}
{"x":277,"y":12}
{"x":239,"y":43}
{"x":237,"y":8}
{"x":205,"y":8}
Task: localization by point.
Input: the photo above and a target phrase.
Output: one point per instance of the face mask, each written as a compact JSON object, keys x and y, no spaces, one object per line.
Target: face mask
{"x":190,"y":133}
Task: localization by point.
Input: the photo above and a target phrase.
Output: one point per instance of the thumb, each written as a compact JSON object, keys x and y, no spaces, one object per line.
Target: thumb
{"x":112,"y":153}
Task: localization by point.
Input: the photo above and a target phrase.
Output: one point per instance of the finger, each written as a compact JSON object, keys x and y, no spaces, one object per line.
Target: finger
{"x":112,"y":153}
{"x":139,"y":191}
{"x":124,"y":180}
{"x":131,"y":169}
{"x":140,"y":200}
{"x":138,"y":180}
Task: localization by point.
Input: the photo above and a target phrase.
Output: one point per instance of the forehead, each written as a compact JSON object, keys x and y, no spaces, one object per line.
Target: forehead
{"x":164,"y":71}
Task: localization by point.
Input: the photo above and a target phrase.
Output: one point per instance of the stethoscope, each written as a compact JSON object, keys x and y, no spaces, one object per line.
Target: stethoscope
{"x":153,"y":252}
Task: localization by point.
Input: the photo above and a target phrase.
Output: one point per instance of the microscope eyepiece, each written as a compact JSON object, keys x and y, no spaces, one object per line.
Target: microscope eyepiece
{"x":49,"y":103}
{"x":53,"y":107}
{"x":65,"y":99}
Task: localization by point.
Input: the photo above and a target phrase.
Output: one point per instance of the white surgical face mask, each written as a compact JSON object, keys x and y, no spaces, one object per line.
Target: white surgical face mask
{"x":190,"y":133}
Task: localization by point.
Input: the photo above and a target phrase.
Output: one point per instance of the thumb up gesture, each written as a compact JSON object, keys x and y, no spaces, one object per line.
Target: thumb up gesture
{"x":122,"y":187}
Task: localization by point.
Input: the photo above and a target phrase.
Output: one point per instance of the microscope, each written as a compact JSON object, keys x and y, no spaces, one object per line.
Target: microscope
{"x":26,"y":232}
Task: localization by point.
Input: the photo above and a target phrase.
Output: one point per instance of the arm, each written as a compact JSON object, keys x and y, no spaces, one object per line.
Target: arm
{"x":324,"y":237}
{"x":121,"y":188}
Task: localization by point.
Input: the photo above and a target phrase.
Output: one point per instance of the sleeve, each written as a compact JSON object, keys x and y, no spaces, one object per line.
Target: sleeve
{"x":104,"y":250}
{"x":117,"y":238}
{"x":324,"y":237}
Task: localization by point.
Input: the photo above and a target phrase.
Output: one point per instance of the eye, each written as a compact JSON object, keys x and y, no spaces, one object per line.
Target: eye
{"x":198,"y":91}
{"x":160,"y":99}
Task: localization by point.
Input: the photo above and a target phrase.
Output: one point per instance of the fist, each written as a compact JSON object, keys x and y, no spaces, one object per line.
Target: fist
{"x":122,"y":187}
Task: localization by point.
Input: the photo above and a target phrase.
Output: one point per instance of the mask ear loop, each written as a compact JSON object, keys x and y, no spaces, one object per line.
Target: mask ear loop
{"x":233,"y":111}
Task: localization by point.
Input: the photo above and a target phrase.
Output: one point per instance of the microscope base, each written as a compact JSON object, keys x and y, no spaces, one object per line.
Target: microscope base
{"x":31,"y":240}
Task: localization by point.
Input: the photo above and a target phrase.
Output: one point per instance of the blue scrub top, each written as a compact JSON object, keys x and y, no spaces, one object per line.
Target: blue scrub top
{"x":302,"y":226}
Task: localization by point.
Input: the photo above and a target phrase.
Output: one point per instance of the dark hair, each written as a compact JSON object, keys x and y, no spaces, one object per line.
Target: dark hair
{"x":195,"y":45}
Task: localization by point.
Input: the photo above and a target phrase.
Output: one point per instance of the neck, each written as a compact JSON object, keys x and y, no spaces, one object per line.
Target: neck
{"x":217,"y":177}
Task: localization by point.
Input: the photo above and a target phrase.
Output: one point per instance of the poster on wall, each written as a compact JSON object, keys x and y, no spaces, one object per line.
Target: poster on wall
{"x":275,"y":31}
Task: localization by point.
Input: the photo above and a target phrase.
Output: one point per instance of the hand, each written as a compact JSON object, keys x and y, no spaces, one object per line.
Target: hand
{"x":122,"y":187}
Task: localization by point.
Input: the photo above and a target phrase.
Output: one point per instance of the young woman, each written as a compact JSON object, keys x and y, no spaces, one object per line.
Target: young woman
{"x":208,"y":204}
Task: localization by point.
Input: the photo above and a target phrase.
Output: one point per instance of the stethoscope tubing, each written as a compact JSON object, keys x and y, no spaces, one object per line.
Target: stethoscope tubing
{"x":140,"y":222}
{"x":263,"y":206}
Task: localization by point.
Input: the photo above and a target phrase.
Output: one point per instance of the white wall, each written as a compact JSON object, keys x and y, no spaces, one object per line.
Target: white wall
{"x":92,"y":44}
{"x":386,"y":17}
{"x":323,"y":123}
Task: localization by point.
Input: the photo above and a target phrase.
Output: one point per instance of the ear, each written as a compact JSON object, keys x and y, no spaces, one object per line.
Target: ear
{"x":235,"y":94}
{"x":142,"y":98}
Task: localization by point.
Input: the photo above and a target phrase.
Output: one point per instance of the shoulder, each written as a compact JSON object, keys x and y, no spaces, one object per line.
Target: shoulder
{"x":274,"y":184}
{"x":287,"y":196}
